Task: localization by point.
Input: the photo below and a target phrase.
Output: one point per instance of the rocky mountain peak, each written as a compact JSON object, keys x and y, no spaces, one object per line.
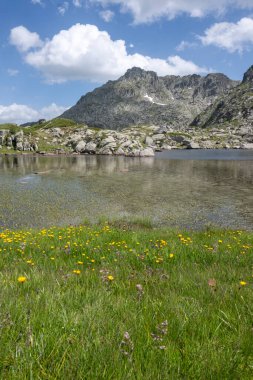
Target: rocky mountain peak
{"x":142,"y":98}
{"x":138,"y":73}
{"x":248,"y":76}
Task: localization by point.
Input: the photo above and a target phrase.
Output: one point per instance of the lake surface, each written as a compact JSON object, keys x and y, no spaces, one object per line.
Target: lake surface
{"x":185,"y":189}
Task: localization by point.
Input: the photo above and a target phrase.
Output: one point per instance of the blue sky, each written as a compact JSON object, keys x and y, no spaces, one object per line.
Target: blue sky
{"x":54,"y":51}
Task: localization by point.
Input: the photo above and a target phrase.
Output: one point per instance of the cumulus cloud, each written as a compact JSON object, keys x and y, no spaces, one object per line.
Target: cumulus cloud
{"x":150,"y":10}
{"x":23,"y":39}
{"x":83,"y":52}
{"x":51,"y":111}
{"x":230,"y":36}
{"x":20,"y":113}
{"x":107,"y":15}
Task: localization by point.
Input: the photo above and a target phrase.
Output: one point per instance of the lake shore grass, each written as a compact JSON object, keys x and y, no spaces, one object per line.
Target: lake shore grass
{"x":126,"y":302}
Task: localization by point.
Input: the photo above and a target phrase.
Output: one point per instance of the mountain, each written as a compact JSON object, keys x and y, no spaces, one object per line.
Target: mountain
{"x":142,"y":98}
{"x":233,"y":108}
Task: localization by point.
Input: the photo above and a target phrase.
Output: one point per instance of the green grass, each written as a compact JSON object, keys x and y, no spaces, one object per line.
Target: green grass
{"x":54,"y":123}
{"x":64,"y":325}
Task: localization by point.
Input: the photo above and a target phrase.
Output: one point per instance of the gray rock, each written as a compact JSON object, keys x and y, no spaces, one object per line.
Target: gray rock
{"x":90,"y":148}
{"x":9,"y":142}
{"x":207,"y":144}
{"x":158,"y":137}
{"x":19,"y":145}
{"x":108,"y":140}
{"x":177,"y":138}
{"x":147,"y":152}
{"x":3,"y":134}
{"x":247,"y":146}
{"x":80,"y":147}
{"x":104,"y":150}
{"x":119,"y":152}
{"x":166,"y":147}
{"x":149,"y":141}
{"x":26,"y":145}
{"x":191,"y":144}
{"x":57,"y":132}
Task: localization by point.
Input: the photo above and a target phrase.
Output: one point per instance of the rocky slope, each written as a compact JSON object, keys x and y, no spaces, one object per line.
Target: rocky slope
{"x":142,"y":98}
{"x":69,"y":138}
{"x":232,"y":109}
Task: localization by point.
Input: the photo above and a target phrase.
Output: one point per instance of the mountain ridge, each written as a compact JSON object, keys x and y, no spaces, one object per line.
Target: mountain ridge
{"x":141,"y":97}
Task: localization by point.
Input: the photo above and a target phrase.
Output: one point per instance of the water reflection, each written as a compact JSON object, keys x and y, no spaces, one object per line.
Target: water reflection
{"x":40,"y":191}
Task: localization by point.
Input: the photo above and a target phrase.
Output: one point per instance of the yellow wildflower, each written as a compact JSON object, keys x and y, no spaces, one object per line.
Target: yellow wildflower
{"x":110,"y":277}
{"x":243,"y":283}
{"x":22,"y":279}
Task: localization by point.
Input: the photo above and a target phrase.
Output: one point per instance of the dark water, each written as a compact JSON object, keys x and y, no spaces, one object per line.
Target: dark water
{"x":188,"y":189}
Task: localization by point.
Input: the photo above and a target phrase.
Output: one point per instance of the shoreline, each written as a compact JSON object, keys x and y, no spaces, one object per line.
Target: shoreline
{"x":70,"y":154}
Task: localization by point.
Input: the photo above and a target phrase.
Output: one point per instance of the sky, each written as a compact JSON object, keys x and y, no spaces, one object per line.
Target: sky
{"x":52,"y":51}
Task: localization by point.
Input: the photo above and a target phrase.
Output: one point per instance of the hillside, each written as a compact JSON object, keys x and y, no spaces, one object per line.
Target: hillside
{"x":142,"y":98}
{"x":234,"y":108}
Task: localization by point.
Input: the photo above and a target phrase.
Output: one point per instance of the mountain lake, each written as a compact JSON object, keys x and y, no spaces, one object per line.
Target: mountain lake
{"x":179,"y":188}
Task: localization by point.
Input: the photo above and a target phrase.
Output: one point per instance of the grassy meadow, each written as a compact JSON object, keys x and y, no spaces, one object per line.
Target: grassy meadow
{"x":122,"y":302}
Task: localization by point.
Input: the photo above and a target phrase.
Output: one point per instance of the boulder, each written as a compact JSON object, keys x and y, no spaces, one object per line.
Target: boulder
{"x":119,"y":152}
{"x":108,"y":140}
{"x":104,"y":150}
{"x":57,"y":132}
{"x":166,"y":147}
{"x":90,"y":148}
{"x":147,"y":152}
{"x":193,"y":145}
{"x":158,"y":137}
{"x":247,"y":146}
{"x":3,"y":134}
{"x":9,"y":142}
{"x":19,"y":145}
{"x":26,"y":145}
{"x":149,"y":141}
{"x":80,"y":147}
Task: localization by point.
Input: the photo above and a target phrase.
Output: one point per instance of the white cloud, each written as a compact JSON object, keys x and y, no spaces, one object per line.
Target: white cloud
{"x":230,"y":36}
{"x":51,"y":111}
{"x":20,"y":113}
{"x":36,"y":2}
{"x":77,"y":3}
{"x":23,"y":39}
{"x":185,"y":45}
{"x":62,"y":9}
{"x":150,"y":10}
{"x":107,"y":15}
{"x":12,"y":72}
{"x":83,"y":52}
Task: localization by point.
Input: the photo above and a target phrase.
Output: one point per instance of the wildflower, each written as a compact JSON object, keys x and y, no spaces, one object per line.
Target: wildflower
{"x":140,"y":291}
{"x":126,"y":345}
{"x":110,"y":277}
{"x":76,"y":271}
{"x":243,"y":283}
{"x":171,"y":255}
{"x":22,"y":279}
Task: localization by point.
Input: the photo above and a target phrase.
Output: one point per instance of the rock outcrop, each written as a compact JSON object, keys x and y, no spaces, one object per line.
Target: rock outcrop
{"x":17,"y":141}
{"x":142,"y":98}
{"x":232,"y":109}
